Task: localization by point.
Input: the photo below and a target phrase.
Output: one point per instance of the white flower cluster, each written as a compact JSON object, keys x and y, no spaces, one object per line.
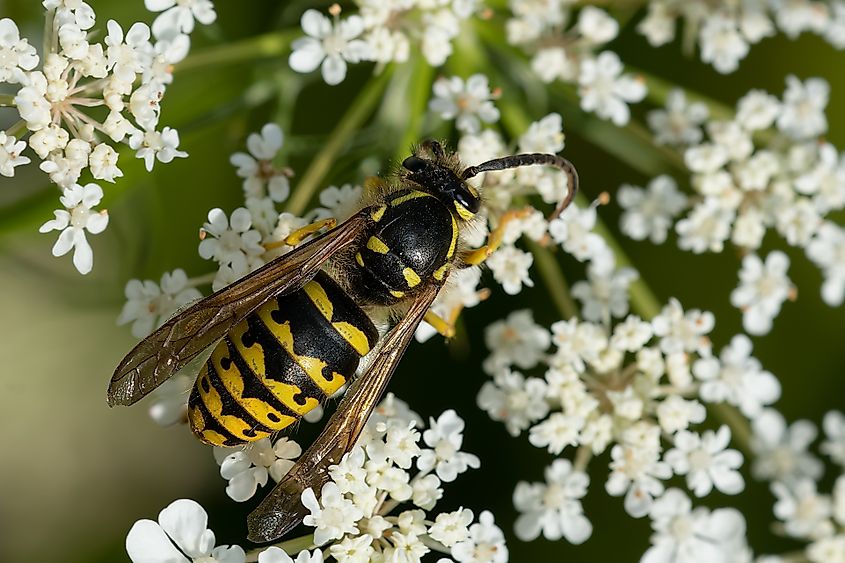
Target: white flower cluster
{"x":87,"y":98}
{"x":803,"y":512}
{"x":395,"y":461}
{"x":764,"y":169}
{"x":382,"y":32}
{"x":572,"y":55}
{"x":725,"y":31}
{"x":639,"y":390}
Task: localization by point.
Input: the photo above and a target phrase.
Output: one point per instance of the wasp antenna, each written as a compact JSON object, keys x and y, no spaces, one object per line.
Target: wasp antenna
{"x":520,"y":160}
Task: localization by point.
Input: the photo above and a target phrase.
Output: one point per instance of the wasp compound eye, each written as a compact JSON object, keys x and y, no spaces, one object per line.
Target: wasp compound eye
{"x":467,"y":200}
{"x":415,"y":164}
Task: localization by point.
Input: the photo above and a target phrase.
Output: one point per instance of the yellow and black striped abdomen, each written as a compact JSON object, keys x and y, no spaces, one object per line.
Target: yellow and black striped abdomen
{"x":279,"y":363}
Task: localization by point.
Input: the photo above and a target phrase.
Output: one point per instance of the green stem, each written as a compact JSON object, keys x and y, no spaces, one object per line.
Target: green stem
{"x":7,"y":101}
{"x":16,"y":128}
{"x":291,"y":547}
{"x":338,"y":139}
{"x":549,"y":269}
{"x":259,"y":47}
{"x":419,"y":92}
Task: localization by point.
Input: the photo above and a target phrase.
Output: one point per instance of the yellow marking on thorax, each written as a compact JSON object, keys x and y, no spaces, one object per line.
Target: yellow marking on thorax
{"x":408,"y":197}
{"x":359,"y":259}
{"x":233,"y":380}
{"x":397,"y":294}
{"x":411,"y":277}
{"x":377,"y":245}
{"x":454,"y":242}
{"x":465,"y":213}
{"x":440,"y":272}
{"x":313,"y":367}
{"x":237,"y":427}
{"x":378,"y":213}
{"x":352,"y":334}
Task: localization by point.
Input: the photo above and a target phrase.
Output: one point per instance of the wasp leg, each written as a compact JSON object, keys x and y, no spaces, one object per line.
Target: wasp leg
{"x":494,"y":239}
{"x":301,"y":233}
{"x":446,"y":327}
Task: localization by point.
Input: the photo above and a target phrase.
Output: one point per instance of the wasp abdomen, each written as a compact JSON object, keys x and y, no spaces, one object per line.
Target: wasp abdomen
{"x":279,"y":363}
{"x":413,"y":239}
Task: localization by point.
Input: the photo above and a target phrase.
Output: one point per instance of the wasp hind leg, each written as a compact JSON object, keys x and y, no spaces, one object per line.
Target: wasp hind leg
{"x":494,"y":239}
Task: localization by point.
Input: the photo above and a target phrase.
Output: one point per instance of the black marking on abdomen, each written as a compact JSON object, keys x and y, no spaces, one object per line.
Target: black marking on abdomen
{"x":253,"y":388}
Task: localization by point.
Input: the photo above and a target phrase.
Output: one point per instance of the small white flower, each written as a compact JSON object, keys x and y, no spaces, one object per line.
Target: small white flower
{"x":827,"y":550}
{"x":103,"y":163}
{"x":757,"y":110}
{"x":486,"y":543}
{"x":573,"y":230}
{"x":10,"y":152}
{"x":605,"y":91}
{"x":129,"y":54}
{"x":275,"y":554}
{"x":513,"y":399}
{"x":338,"y":202}
{"x":706,"y":228}
{"x":780,"y":451}
{"x":248,"y":468}
{"x":148,"y":304}
{"x":178,"y":16}
{"x":445,"y":436}
{"x":516,"y":340}
{"x":636,"y":469}
{"x":470,"y":102}
{"x":834,"y":430}
{"x":451,"y":527}
{"x":16,"y":54}
{"x":722,"y":45}
{"x":680,"y":123}
{"x":706,"y":462}
{"x":805,"y":513}
{"x":179,"y":536}
{"x":329,"y":44}
{"x":604,"y":295}
{"x":650,"y":212}
{"x":578,"y":343}
{"x":509,"y":266}
{"x":737,"y":378}
{"x":683,"y":332}
{"x":556,"y":432}
{"x":152,"y":145}
{"x":684,"y":535}
{"x":802,"y":115}
{"x":256,"y":168}
{"x":631,"y":334}
{"x":77,"y":217}
{"x":675,"y":413}
{"x":553,"y":508}
{"x":232,"y":241}
{"x":333,"y":516}
{"x":762,"y":290}
{"x":596,"y":25}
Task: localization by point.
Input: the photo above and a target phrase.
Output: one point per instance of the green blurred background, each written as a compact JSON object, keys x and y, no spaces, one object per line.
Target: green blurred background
{"x":75,"y":475}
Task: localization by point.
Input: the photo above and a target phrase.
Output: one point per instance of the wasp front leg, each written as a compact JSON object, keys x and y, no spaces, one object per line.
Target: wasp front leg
{"x":300,"y":234}
{"x":446,"y":326}
{"x":494,"y":239}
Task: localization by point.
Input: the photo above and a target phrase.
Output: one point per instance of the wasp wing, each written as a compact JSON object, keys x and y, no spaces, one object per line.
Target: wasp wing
{"x":176,"y":342}
{"x":282,"y":509}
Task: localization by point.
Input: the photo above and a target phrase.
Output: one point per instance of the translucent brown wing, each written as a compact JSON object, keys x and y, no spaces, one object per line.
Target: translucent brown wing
{"x":282,"y":509}
{"x":174,"y":344}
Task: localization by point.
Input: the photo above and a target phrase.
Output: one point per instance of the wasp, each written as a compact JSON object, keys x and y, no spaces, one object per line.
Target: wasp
{"x":290,"y":334}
